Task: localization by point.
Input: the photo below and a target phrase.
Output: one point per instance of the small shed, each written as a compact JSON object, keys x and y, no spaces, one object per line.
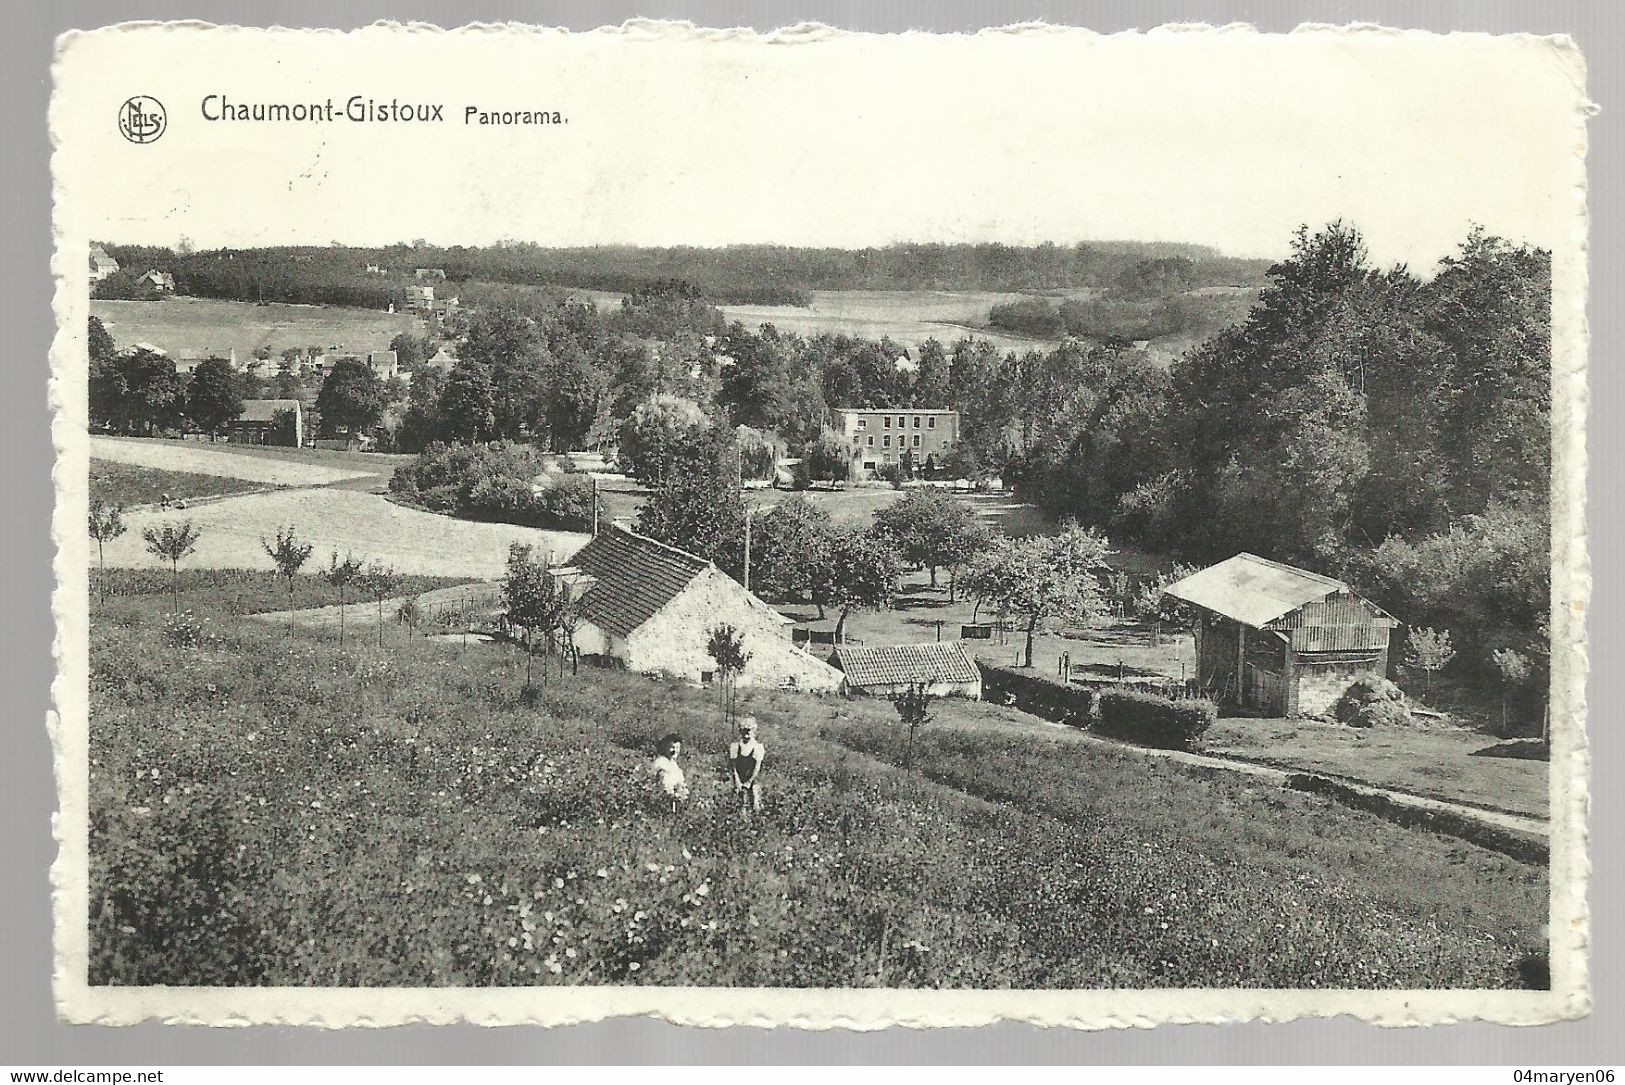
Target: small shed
{"x":1279,"y":639}
{"x":886,"y":670}
{"x":269,"y":422}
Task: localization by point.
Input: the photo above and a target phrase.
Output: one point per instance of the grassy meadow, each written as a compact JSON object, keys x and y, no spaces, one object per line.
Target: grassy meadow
{"x":199,"y":327}
{"x":127,"y":484}
{"x":267,"y":814}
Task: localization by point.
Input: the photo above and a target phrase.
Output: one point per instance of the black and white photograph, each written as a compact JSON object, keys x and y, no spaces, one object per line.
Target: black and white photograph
{"x":819,"y":528}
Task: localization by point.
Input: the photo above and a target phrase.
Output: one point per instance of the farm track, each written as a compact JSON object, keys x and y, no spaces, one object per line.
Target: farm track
{"x":1278,"y":776}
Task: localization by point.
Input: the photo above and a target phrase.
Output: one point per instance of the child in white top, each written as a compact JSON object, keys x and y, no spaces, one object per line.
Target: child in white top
{"x":668,"y":773}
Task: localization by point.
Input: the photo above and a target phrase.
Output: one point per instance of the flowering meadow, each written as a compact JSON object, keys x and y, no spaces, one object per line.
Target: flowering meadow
{"x":295,"y":815}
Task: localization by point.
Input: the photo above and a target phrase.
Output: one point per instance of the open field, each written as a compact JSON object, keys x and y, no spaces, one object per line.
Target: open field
{"x":1438,"y":761}
{"x":366,"y":525}
{"x":199,"y":327}
{"x":124,"y":484}
{"x":262,"y":815}
{"x":292,"y":468}
{"x":909,"y":317}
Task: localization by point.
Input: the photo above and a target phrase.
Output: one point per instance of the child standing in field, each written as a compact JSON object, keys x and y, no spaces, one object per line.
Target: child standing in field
{"x":745,"y":759}
{"x":668,"y":774}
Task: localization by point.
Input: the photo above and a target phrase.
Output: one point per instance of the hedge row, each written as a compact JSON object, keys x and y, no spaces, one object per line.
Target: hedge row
{"x":1142,"y":718}
{"x":1150,"y":720}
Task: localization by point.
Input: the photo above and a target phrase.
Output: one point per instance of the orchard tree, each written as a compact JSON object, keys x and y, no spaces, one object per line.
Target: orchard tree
{"x":352,"y":399}
{"x":1514,"y":668}
{"x":698,"y":506}
{"x":1429,"y":651}
{"x":788,"y":550}
{"x":726,"y":646}
{"x":380,"y":581}
{"x":931,"y":529}
{"x":410,"y":615}
{"x":172,"y":542}
{"x":289,"y":555}
{"x":859,"y":572}
{"x":532,"y":601}
{"x":342,"y":575}
{"x":1043,"y":579}
{"x":213,"y":398}
{"x":914,"y":710}
{"x":106,"y":524}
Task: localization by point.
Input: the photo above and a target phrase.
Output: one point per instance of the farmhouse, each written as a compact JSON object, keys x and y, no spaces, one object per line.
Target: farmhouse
{"x":877,"y":437}
{"x":269,"y":422}
{"x":652,"y":607}
{"x":383,"y":364}
{"x":1279,"y":639}
{"x":890,"y":669}
{"x":161,"y":281}
{"x":101,"y":264}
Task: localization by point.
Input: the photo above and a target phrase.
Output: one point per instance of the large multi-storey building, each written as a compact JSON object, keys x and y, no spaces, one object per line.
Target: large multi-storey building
{"x":877,"y":436}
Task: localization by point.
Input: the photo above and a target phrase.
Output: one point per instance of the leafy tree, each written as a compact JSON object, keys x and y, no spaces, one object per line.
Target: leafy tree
{"x":758,"y":454}
{"x":172,"y":542}
{"x":651,"y":439}
{"x":106,"y":524}
{"x":1042,"y":578}
{"x":467,"y":407}
{"x":914,"y":710}
{"x":932,"y":529}
{"x":789,"y":546}
{"x":380,"y":581}
{"x":213,"y":398}
{"x":1428,"y":651}
{"x":698,"y":506}
{"x":574,"y":392}
{"x":827,"y":459}
{"x":352,"y":399}
{"x":342,"y":575}
{"x":726,"y":646}
{"x":149,"y":391}
{"x":408,"y":350}
{"x":859,"y":572}
{"x":289,"y":555}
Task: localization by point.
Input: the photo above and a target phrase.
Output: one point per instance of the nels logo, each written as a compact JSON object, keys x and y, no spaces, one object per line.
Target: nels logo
{"x":142,"y":119}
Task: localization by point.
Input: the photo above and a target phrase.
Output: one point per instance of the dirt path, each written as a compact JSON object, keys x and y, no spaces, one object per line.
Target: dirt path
{"x":1514,"y":822}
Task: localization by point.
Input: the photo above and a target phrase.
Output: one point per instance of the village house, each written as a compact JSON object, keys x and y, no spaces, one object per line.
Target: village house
{"x":429,"y":274}
{"x":383,"y":364}
{"x":875,"y":437}
{"x":887,"y":670}
{"x":101,"y":265}
{"x":651,"y":607}
{"x":1281,"y":640}
{"x":269,"y":422}
{"x":420,"y":297}
{"x":161,"y":281}
{"x":443,"y":360}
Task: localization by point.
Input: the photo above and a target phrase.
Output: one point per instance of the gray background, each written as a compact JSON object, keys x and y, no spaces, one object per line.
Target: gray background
{"x":28,"y":1029}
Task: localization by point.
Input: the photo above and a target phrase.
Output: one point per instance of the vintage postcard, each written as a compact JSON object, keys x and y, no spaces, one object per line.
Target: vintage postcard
{"x":819,"y":529}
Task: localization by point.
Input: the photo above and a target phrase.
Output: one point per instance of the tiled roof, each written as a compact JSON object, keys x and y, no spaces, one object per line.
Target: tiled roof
{"x":901,"y":664}
{"x":1253,"y":590}
{"x":636,"y":577}
{"x":264,"y":410}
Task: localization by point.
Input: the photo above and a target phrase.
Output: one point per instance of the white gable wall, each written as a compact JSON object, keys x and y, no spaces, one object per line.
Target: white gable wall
{"x":673,"y":641}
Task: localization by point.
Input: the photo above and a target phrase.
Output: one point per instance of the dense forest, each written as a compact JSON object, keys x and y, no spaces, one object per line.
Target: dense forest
{"x":738,"y":274}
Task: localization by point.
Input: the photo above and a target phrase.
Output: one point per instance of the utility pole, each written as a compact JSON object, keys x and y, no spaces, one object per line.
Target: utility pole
{"x":594,"y":477}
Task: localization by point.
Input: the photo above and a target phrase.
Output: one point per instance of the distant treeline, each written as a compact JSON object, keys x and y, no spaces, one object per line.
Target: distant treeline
{"x":737,"y":275}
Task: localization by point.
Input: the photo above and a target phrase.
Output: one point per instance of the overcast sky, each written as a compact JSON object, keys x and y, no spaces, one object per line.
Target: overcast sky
{"x":1228,"y":139}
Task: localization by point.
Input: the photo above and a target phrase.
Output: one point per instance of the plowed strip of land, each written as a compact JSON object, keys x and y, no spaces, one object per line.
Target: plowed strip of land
{"x":364,"y":525}
{"x":215,"y":460}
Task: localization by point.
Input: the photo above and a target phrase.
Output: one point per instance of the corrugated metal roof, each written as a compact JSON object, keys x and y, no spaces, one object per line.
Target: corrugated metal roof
{"x":901,"y":664}
{"x":264,"y":410}
{"x":1253,"y":590}
{"x":637,"y":576}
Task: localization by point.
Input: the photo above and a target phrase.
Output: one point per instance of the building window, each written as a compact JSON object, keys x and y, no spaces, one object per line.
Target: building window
{"x":868,"y":465}
{"x":916,"y":421}
{"x":931,"y":423}
{"x":916,"y":440}
{"x":886,"y":441}
{"x":871,"y":440}
{"x":856,"y":439}
{"x":902,"y":421}
{"x":888,"y":421}
{"x":863,"y":423}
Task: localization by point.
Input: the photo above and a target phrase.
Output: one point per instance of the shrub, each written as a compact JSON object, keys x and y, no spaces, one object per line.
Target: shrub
{"x":1362,"y":697}
{"x":495,"y":482}
{"x":1150,"y":720}
{"x":184,"y":630}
